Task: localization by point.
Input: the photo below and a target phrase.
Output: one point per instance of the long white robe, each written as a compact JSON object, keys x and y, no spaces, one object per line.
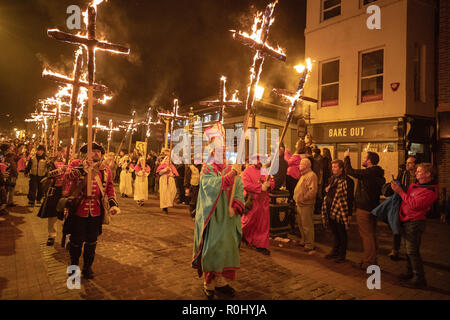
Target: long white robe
{"x":167,"y":191}
{"x":126,"y":182}
{"x":141,"y":184}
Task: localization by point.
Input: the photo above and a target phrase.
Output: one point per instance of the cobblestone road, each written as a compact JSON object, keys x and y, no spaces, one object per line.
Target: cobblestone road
{"x":146,"y":254}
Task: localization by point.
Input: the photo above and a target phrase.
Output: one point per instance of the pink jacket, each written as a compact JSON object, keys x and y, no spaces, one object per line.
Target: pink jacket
{"x":172,"y":167}
{"x":293,"y":161}
{"x":417,"y":202}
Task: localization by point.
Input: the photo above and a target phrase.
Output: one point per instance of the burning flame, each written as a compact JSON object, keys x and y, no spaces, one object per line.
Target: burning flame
{"x":257,"y":30}
{"x":301,"y":68}
{"x":105,"y":99}
{"x":235,"y":96}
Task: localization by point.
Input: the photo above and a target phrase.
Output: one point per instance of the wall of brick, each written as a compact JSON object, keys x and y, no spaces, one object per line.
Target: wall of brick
{"x":443,"y":154}
{"x":444,"y":53}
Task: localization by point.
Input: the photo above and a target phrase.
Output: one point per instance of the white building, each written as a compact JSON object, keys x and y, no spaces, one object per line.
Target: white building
{"x":376,"y":87}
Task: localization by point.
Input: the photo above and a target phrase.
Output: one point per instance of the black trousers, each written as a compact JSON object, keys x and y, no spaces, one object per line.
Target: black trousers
{"x":35,"y":192}
{"x":179,"y":182}
{"x":340,"y":238}
{"x":85,"y":229}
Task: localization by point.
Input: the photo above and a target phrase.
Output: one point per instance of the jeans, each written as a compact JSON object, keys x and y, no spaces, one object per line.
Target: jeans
{"x":412,"y":233}
{"x":397,"y":241}
{"x":340,"y":238}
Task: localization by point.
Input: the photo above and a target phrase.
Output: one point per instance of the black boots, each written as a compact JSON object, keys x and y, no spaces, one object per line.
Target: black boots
{"x":88,"y":257}
{"x":75,"y":253}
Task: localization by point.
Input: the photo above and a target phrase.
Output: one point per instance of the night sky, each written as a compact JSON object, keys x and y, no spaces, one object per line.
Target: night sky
{"x":178,"y":48}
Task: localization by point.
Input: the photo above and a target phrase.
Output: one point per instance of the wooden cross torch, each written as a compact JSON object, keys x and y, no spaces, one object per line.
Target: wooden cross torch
{"x":172,"y":117}
{"x":222,"y":102}
{"x":257,"y":41}
{"x":92,"y":45}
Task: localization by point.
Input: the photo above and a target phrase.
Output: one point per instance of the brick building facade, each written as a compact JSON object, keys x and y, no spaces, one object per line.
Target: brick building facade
{"x":443,"y":92}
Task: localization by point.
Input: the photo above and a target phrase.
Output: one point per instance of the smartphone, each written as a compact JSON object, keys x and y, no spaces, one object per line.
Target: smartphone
{"x":393,"y":179}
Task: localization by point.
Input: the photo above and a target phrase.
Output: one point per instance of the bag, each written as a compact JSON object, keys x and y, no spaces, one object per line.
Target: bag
{"x":105,"y":202}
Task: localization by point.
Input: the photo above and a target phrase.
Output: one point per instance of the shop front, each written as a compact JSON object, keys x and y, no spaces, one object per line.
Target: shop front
{"x":393,"y":139}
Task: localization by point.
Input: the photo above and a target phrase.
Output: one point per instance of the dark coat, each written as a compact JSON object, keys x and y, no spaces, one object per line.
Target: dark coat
{"x":370,"y":182}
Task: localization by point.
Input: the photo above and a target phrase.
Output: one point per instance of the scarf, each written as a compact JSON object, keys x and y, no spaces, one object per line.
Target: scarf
{"x":339,"y":206}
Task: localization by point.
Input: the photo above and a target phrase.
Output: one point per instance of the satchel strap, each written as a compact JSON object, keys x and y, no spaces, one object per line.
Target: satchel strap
{"x":100,"y":185}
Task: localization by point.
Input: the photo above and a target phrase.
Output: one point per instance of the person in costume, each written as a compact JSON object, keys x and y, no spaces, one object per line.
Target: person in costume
{"x":191,"y":185}
{"x":87,"y":213}
{"x":111,"y":163}
{"x":167,"y":186}
{"x":126,"y":177}
{"x":256,"y":222}
{"x":142,"y":171}
{"x":55,"y":179}
{"x":218,"y":231}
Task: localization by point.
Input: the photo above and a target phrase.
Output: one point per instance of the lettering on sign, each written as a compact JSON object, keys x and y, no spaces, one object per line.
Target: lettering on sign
{"x":346,"y":132}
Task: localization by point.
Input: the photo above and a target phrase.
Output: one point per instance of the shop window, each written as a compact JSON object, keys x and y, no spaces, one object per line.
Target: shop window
{"x":330,"y":9}
{"x":366,"y":2}
{"x":329,"y":84}
{"x":388,"y":153}
{"x":419,"y":72}
{"x":371,"y":76}
{"x":353,"y":148}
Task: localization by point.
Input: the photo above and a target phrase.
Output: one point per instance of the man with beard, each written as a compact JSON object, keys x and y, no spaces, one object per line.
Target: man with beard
{"x":88,"y":212}
{"x":368,"y":191}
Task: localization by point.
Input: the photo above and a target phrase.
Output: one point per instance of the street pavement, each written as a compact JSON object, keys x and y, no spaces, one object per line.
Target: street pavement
{"x":146,"y":254}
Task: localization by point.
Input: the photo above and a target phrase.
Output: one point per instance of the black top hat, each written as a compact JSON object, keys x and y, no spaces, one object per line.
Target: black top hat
{"x":95,"y":146}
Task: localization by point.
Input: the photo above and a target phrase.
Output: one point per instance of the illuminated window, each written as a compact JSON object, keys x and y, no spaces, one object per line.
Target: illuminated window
{"x":329,"y":84}
{"x":371,"y":76}
{"x":330,"y":9}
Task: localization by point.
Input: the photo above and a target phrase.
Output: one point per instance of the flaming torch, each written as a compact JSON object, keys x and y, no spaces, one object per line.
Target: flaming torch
{"x":92,"y":45}
{"x":257,"y":41}
{"x":111,"y":128}
{"x":222,"y":102}
{"x":172,"y":117}
{"x":294,"y":99}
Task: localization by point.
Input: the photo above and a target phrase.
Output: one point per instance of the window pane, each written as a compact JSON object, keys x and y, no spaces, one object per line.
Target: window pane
{"x":330,"y":95}
{"x":330,"y":72}
{"x":372,"y":63}
{"x":368,"y":1}
{"x":332,"y":13}
{"x":372,"y":89}
{"x":330,"y":3}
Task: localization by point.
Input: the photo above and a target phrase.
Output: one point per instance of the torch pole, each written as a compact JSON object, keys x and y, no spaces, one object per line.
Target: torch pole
{"x":89,"y":138}
{"x":75,"y":137}
{"x":56,"y":135}
{"x":167,"y":133}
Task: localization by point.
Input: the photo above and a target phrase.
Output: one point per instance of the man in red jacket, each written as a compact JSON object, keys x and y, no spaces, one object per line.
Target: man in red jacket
{"x":413,"y":213}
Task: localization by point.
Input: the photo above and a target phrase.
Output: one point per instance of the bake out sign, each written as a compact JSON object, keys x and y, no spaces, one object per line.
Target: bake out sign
{"x":346,"y":132}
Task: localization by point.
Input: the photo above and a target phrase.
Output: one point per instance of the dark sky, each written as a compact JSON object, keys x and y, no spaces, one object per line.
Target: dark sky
{"x":178,"y":47}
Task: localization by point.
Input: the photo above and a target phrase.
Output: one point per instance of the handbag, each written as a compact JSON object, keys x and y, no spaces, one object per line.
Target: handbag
{"x":105,"y":202}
